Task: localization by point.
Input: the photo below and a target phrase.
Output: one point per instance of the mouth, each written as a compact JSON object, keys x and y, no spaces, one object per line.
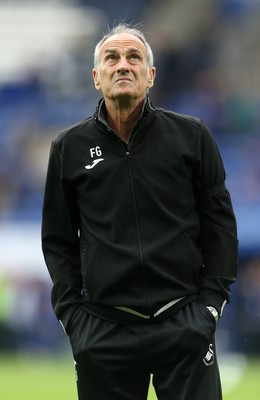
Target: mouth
{"x":123,"y":80}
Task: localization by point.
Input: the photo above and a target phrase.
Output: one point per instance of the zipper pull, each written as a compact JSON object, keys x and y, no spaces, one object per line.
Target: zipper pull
{"x":128,"y":154}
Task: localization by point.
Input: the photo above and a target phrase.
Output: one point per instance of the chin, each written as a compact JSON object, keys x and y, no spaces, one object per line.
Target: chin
{"x":124,"y":93}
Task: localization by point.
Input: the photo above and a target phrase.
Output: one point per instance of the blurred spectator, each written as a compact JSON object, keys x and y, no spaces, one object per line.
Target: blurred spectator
{"x":26,"y":322}
{"x":248,"y":308}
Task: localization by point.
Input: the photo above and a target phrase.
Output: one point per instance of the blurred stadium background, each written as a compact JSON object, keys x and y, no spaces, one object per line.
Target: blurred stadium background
{"x":207,"y":54}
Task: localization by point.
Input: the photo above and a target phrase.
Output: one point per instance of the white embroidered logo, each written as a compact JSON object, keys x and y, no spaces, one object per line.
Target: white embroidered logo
{"x":209,"y":357}
{"x":95,"y":151}
{"x":94,"y":163}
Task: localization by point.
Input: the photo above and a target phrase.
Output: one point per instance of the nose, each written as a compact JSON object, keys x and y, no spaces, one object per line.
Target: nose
{"x":123,"y":65}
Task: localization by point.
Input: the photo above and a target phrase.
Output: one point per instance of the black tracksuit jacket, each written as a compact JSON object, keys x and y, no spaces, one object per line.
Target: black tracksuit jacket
{"x":137,"y":225}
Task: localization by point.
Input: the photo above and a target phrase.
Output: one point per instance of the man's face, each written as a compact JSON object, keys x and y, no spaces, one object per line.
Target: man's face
{"x":123,"y":68}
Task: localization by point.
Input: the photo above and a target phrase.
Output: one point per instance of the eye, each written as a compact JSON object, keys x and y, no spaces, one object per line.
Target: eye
{"x":135,"y":56}
{"x":110,"y":57}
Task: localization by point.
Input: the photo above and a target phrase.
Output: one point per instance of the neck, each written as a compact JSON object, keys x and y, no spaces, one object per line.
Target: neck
{"x":122,"y":117}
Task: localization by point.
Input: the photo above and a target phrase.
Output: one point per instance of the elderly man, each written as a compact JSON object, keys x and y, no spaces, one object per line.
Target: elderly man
{"x":139,"y":237}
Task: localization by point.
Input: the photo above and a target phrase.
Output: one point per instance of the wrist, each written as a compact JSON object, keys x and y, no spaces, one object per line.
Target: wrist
{"x":213,"y":312}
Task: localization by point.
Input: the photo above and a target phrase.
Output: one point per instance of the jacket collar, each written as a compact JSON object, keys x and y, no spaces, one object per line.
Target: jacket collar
{"x":100,"y":114}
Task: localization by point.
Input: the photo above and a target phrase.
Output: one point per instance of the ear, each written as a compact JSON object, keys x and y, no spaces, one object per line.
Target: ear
{"x":152,"y":74}
{"x":96,"y":79}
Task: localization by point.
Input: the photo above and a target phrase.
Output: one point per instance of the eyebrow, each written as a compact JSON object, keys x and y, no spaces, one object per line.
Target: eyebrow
{"x":110,"y":51}
{"x":129,"y":50}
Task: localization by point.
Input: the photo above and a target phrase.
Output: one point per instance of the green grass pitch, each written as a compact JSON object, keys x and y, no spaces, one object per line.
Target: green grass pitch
{"x":53,"y":378}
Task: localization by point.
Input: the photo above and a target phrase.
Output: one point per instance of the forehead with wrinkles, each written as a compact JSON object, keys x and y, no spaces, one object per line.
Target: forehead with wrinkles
{"x":123,"y":41}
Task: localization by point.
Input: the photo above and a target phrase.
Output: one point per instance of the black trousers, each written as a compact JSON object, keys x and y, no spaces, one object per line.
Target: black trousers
{"x":115,"y":361}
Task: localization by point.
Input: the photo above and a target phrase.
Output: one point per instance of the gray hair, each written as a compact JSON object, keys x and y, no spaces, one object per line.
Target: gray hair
{"x":123,"y":28}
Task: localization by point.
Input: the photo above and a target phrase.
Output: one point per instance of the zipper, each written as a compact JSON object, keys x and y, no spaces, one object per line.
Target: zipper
{"x":127,"y":148}
{"x":137,"y":224}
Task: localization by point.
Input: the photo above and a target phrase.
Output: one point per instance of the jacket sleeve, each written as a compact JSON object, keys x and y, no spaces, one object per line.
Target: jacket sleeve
{"x":60,"y":238}
{"x":218,"y":239}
